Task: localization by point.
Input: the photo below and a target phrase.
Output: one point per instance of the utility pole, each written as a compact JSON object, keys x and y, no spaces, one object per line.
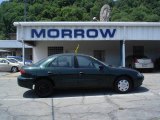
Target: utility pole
{"x":25,"y":10}
{"x":23,"y":42}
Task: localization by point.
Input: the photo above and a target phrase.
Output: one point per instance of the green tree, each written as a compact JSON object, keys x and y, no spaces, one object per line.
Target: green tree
{"x":74,"y":10}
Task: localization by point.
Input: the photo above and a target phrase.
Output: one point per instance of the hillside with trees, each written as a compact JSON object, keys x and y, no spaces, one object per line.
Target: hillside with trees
{"x":74,"y":10}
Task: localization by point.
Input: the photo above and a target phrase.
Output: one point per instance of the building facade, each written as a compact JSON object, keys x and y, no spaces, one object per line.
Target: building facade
{"x":110,"y":42}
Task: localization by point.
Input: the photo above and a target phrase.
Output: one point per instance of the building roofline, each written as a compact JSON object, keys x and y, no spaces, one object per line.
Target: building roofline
{"x":12,"y":44}
{"x":87,"y":23}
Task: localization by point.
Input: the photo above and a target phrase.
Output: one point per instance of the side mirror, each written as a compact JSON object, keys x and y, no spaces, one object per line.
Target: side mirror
{"x":8,"y":63}
{"x":101,"y":67}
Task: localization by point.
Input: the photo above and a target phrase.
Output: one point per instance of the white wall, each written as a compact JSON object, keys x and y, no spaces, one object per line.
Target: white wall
{"x":87,"y":47}
{"x":112,"y":49}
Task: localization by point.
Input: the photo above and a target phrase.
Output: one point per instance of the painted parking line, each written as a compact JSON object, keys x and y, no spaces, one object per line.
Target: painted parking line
{"x":26,"y":99}
{"x":99,"y":96}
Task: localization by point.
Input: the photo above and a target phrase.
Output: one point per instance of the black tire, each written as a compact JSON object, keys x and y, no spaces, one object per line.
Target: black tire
{"x":123,"y":85}
{"x":14,"y":69}
{"x":43,"y":88}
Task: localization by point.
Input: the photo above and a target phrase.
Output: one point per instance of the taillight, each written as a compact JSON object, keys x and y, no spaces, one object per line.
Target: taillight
{"x":22,"y":71}
{"x":135,"y":60}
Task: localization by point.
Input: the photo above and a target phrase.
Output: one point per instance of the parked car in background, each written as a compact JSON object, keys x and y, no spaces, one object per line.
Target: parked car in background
{"x":9,"y":64}
{"x":139,"y":62}
{"x":64,"y":71}
{"x":20,"y":60}
{"x":157,"y":63}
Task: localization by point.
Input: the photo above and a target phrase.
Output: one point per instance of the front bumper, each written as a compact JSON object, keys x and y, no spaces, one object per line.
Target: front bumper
{"x":25,"y":82}
{"x":139,"y":81}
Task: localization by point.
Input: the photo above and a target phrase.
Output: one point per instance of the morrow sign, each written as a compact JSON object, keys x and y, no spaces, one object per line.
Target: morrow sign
{"x":76,"y":33}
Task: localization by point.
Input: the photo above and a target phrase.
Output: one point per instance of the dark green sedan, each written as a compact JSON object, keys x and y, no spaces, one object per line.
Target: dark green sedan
{"x":64,"y":71}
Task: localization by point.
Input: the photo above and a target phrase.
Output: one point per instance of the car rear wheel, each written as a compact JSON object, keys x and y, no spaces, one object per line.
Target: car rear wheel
{"x":43,"y":88}
{"x":14,"y":69}
{"x":123,"y":85}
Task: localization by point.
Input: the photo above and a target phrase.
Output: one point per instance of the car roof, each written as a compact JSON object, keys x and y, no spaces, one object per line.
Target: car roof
{"x":71,"y":54}
{"x":14,"y":57}
{"x":74,"y":54}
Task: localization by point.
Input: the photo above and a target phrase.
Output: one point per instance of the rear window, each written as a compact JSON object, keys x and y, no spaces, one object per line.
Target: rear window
{"x":139,"y":57}
{"x":43,"y":60}
{"x":12,"y":60}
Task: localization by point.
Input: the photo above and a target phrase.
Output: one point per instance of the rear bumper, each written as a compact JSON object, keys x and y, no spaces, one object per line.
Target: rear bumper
{"x":142,"y":66}
{"x":25,"y":82}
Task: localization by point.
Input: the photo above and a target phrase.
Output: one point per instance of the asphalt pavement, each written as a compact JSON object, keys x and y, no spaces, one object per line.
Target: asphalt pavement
{"x":17,"y":103}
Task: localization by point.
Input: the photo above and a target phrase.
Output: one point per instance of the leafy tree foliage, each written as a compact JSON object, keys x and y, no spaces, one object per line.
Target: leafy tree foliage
{"x":74,"y":10}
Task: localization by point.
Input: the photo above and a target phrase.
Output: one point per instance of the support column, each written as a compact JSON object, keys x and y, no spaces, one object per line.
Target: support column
{"x":23,"y":52}
{"x":122,"y":53}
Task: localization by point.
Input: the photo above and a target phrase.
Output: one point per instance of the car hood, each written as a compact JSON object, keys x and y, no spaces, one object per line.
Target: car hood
{"x":123,"y":70}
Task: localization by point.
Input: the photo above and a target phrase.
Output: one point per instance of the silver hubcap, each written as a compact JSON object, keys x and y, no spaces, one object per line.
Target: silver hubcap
{"x":14,"y":69}
{"x":123,"y":85}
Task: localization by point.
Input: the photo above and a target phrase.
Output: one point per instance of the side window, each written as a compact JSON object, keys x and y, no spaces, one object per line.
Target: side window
{"x":62,"y":61}
{"x":53,"y":63}
{"x":96,"y":65}
{"x":3,"y":61}
{"x":84,"y":62}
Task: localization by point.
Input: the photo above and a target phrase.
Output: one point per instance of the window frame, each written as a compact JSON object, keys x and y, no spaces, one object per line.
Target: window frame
{"x":52,"y":50}
{"x":56,"y":58}
{"x":89,"y":58}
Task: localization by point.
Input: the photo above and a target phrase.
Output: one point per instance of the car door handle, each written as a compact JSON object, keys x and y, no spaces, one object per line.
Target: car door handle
{"x":81,"y":73}
{"x":50,"y":73}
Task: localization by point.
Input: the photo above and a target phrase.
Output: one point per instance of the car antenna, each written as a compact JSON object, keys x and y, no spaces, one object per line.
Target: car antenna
{"x":76,"y":50}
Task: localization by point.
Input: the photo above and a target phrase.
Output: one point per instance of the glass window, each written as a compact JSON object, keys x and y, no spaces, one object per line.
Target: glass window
{"x":12,"y":60}
{"x":84,"y":62}
{"x":55,"y":50}
{"x":97,"y":65}
{"x":62,"y":61}
{"x":3,"y":61}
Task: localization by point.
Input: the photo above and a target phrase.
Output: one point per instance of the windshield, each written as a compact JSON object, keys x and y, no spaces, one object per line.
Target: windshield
{"x":19,"y":59}
{"x":140,"y":57}
{"x":12,"y":60}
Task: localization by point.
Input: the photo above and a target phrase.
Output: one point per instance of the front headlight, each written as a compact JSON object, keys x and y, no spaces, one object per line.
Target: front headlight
{"x":139,"y":74}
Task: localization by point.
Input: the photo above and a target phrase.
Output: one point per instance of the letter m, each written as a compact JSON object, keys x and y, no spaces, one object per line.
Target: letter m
{"x":36,"y":34}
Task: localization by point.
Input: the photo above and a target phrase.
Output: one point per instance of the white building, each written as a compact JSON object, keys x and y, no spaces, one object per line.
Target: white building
{"x":110,"y":42}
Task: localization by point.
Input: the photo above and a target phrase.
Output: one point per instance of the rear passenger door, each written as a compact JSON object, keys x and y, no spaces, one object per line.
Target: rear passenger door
{"x":62,"y":71}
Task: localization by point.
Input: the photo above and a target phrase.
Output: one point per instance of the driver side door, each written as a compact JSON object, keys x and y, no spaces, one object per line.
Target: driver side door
{"x":4,"y":65}
{"x":90,"y":74}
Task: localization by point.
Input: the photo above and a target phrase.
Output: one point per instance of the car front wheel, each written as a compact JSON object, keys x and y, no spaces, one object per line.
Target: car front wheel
{"x":43,"y":88}
{"x":123,"y":85}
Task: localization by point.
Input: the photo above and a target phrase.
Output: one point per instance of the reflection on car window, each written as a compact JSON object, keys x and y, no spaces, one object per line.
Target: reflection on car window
{"x":12,"y":60}
{"x":84,"y":62}
{"x":96,"y":65}
{"x":62,"y":61}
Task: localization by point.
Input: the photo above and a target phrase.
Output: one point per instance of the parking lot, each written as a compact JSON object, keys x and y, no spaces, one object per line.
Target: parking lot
{"x":18,"y":103}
